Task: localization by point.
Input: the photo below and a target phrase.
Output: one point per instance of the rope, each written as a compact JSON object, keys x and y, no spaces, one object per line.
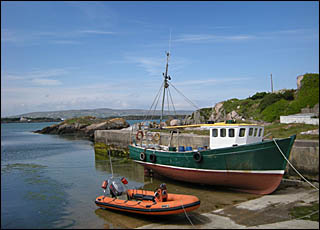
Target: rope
{"x":293,"y":166}
{"x":157,"y":95}
{"x":187,"y":215}
{"x":155,"y":107}
{"x":110,"y":164}
{"x":174,"y":109}
{"x":308,"y":215}
{"x":168,"y":104}
{"x":187,"y":99}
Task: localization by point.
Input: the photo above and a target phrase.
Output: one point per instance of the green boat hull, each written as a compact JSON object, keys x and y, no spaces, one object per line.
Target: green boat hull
{"x":255,"y":168}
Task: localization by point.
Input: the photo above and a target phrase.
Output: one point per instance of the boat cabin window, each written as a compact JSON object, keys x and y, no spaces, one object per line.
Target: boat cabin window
{"x":214,"y":132}
{"x":250,"y":131}
{"x":223,"y":132}
{"x":242,"y":132}
{"x":231,"y":132}
{"x":255,"y":132}
{"x":260,"y":131}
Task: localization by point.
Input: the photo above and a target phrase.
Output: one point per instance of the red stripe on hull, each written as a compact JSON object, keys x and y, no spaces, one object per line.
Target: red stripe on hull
{"x":256,"y":183}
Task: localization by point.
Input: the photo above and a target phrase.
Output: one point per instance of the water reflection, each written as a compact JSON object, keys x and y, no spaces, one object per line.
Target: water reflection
{"x":121,"y":167}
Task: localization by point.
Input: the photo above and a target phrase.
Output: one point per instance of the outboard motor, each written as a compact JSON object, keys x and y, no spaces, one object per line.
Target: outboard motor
{"x":116,"y":187}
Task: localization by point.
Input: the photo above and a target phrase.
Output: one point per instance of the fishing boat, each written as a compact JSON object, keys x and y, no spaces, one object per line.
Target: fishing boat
{"x":146,"y":202}
{"x":237,"y":156}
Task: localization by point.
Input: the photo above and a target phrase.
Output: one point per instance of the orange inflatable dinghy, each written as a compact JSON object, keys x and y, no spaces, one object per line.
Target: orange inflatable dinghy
{"x":150,"y":203}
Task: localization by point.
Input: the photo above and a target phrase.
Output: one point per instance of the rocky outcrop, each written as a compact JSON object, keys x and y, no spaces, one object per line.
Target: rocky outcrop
{"x":217,"y":114}
{"x":84,"y":129}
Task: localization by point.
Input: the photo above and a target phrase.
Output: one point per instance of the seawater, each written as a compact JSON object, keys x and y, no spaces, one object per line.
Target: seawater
{"x":49,"y":181}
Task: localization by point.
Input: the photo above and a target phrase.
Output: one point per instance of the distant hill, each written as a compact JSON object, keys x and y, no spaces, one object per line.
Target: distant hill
{"x":99,"y":113}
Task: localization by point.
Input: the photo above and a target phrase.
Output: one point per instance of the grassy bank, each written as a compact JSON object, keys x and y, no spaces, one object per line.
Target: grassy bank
{"x":278,"y":130}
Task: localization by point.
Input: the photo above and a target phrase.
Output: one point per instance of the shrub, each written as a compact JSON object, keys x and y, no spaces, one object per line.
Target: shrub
{"x":274,"y":111}
{"x":308,"y":94}
{"x":258,"y":95}
{"x":288,"y":95}
{"x":269,"y":100}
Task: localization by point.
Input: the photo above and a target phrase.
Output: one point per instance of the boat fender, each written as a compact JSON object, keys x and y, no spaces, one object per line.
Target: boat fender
{"x":104,"y":184}
{"x":156,"y":137}
{"x":197,"y":157}
{"x":143,"y":156}
{"x":124,"y":180}
{"x":153,"y":157}
{"x":139,"y":135}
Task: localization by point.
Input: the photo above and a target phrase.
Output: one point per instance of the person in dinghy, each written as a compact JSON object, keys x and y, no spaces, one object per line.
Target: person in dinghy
{"x":159,"y":202}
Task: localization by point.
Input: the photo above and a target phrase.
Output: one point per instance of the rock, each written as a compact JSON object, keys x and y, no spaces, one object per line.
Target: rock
{"x":299,"y":79}
{"x":197,"y":118}
{"x":311,"y":132}
{"x":84,"y":129}
{"x":233,"y":116}
{"x":175,"y":122}
{"x":218,"y":113}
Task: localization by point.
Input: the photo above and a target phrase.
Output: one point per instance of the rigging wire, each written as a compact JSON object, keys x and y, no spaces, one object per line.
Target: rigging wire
{"x":154,"y":111}
{"x":174,"y":109}
{"x":146,"y":116}
{"x":187,"y":99}
{"x":168,"y":102}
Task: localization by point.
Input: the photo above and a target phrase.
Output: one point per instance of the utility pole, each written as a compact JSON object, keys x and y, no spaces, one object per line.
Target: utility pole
{"x":271,"y":84}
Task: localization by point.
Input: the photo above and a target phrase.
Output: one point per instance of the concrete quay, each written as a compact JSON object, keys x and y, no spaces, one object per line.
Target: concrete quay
{"x":266,"y":212}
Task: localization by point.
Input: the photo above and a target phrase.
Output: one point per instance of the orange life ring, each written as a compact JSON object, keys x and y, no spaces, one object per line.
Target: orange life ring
{"x":139,"y":135}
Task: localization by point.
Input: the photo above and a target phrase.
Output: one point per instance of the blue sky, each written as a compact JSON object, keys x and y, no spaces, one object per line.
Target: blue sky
{"x":86,"y":55}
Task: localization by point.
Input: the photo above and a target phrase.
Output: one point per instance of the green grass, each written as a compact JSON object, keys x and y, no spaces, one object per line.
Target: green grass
{"x":279,"y":130}
{"x":305,"y":211}
{"x":87,"y":120}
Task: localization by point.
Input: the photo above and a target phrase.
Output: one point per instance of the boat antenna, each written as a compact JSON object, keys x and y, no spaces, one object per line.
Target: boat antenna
{"x":166,"y":78}
{"x":170,"y":41}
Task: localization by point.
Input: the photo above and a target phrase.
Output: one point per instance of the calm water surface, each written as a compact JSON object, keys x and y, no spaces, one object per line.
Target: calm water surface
{"x":51,"y":182}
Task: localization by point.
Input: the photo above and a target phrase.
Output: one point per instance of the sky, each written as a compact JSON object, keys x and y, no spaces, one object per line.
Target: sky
{"x":111,"y":54}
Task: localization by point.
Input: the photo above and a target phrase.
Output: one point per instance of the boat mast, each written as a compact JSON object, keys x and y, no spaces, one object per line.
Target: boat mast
{"x":165,"y":86}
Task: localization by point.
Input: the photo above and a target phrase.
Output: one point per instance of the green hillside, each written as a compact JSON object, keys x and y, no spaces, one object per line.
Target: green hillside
{"x":270,"y":106}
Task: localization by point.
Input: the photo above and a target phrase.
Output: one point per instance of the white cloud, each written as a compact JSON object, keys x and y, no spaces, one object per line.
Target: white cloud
{"x":96,"y":32}
{"x":66,"y":42}
{"x":211,"y":81}
{"x":153,"y":66}
{"x":45,"y":82}
{"x":212,"y":38}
